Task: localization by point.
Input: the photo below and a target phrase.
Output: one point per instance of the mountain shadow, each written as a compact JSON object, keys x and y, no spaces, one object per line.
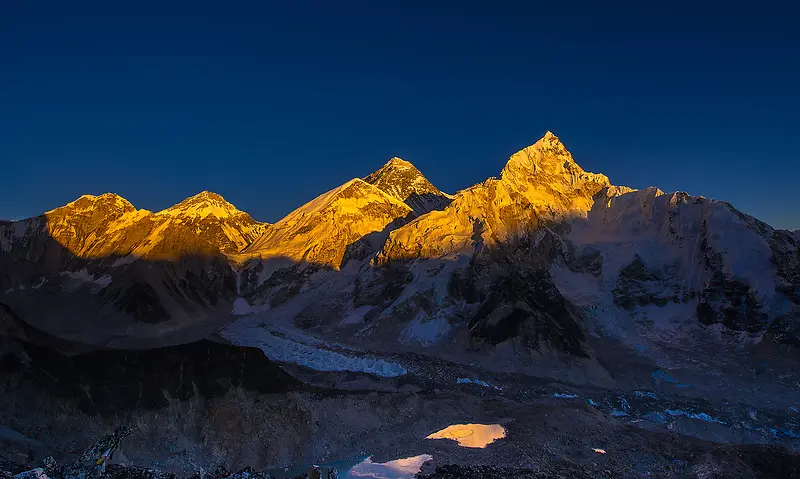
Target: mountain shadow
{"x":102,"y":298}
{"x":107,"y":381}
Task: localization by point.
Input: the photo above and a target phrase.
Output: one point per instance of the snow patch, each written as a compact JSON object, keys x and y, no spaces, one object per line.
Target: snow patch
{"x":355,"y":315}
{"x":241,"y":307}
{"x":564,"y":396}
{"x":477,"y":382}
{"x":656,"y":417}
{"x":80,"y":275}
{"x":83,"y":276}
{"x":701,"y":416}
{"x":663,"y":376}
{"x":124,"y":260}
{"x":37,"y":473}
{"x":425,"y":332}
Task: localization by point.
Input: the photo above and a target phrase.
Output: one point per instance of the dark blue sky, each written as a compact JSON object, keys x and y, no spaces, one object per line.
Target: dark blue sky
{"x":271,"y":105}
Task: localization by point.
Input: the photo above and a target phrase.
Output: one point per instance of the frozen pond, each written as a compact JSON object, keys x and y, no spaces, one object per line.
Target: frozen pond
{"x":363,"y":468}
{"x":471,"y":435}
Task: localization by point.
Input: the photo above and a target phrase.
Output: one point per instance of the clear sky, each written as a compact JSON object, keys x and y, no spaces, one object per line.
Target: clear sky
{"x":270,"y":105}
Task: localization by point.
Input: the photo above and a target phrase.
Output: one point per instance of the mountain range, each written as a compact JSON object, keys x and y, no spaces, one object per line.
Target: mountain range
{"x":577,"y":315}
{"x":537,"y":259}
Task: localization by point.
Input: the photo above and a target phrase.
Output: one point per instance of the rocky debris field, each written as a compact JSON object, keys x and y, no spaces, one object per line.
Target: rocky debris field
{"x":717,"y":461}
{"x":206,"y":409}
{"x":94,"y":463}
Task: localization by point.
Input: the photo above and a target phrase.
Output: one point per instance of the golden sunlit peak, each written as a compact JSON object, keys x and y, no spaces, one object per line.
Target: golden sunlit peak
{"x":92,"y":201}
{"x":205,"y":194}
{"x":549,"y":139}
{"x":398,"y":162}
{"x":395,"y":164}
{"x":104,"y":196}
{"x":201,"y":205}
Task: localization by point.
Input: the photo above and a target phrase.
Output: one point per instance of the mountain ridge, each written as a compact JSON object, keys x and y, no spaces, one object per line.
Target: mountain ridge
{"x":539,"y":182}
{"x":321,"y":230}
{"x":464,"y":261}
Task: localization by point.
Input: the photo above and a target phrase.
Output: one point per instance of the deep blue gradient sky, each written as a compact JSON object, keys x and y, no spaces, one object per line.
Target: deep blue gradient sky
{"x":271,"y":105}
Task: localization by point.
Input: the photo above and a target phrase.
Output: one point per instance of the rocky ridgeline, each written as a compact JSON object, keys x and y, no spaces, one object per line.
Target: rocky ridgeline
{"x":94,"y":463}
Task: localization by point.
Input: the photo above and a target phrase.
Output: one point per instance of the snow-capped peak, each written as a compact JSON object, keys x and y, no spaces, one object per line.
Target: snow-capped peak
{"x":201,"y":205}
{"x":394,"y":165}
{"x":402,"y":180}
{"x":396,"y":162}
{"x":539,"y":181}
{"x":107,"y":200}
{"x":550,"y":159}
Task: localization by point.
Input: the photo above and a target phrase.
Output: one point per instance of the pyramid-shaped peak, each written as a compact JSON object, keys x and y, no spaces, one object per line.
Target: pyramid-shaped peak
{"x":549,"y":141}
{"x":206,"y":196}
{"x":201,"y":205}
{"x":548,"y":154}
{"x":394,"y":166}
{"x":403,"y":181}
{"x":548,"y":157}
{"x":399,"y":162}
{"x":394,"y":172}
